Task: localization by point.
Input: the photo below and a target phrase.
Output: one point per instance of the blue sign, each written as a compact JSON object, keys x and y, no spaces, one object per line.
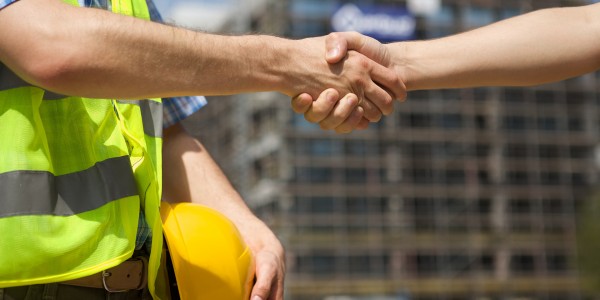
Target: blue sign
{"x":385,"y":23}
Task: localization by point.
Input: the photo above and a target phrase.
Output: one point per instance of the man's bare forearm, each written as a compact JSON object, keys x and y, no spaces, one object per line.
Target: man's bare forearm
{"x":191,"y":175}
{"x":535,"y":48}
{"x":94,"y":53}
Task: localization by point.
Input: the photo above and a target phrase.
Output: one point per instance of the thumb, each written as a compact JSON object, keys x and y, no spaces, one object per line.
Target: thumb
{"x":337,"y":45}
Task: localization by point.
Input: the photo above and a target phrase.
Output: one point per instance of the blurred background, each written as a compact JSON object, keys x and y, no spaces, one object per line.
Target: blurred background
{"x":486,"y":193}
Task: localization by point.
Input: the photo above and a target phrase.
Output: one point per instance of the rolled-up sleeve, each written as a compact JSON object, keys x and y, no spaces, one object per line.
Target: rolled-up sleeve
{"x":177,"y":109}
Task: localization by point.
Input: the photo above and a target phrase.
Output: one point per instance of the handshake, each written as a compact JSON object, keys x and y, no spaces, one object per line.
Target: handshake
{"x":526,"y":50}
{"x":365,"y":89}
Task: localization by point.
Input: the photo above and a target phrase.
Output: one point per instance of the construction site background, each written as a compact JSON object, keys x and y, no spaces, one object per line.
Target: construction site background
{"x":487,"y":193}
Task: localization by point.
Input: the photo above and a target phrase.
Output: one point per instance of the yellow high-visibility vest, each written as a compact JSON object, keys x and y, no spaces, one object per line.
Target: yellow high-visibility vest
{"x":74,"y":174}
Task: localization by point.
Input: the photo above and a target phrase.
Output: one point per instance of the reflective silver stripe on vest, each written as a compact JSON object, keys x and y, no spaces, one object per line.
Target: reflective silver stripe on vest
{"x":42,"y":193}
{"x":152,"y":116}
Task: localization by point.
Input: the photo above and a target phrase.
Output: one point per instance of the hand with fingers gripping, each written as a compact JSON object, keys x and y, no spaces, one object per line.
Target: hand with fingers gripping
{"x":350,"y":112}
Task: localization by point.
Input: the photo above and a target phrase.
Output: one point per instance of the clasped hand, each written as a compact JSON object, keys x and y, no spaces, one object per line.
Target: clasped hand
{"x":368,"y":87}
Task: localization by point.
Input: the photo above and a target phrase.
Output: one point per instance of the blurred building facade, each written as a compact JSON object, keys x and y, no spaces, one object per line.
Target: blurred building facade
{"x":460,"y":194}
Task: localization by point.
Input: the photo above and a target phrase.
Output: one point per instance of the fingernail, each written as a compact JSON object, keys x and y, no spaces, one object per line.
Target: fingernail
{"x":333,"y":52}
{"x":257,"y":298}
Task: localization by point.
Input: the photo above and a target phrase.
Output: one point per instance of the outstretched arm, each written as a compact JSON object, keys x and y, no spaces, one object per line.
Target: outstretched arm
{"x":191,"y":175}
{"x":535,"y":48}
{"x":539,"y":47}
{"x":94,"y":53}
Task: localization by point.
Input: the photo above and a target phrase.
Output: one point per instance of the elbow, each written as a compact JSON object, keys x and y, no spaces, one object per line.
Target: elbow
{"x":51,"y":71}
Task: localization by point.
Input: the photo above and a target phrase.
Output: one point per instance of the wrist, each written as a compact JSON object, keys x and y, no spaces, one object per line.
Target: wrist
{"x":402,"y":63}
{"x":274,"y":56}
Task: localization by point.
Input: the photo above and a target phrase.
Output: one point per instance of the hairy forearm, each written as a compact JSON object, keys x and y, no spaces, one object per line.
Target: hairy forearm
{"x":191,"y":175}
{"x":536,"y":48}
{"x":95,"y":53}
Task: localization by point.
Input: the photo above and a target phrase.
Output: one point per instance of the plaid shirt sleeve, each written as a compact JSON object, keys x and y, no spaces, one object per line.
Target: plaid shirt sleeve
{"x":177,"y":109}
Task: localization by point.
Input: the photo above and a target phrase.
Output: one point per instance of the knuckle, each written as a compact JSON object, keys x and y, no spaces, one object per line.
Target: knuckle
{"x":310,"y":118}
{"x":332,"y":36}
{"x":363,"y":62}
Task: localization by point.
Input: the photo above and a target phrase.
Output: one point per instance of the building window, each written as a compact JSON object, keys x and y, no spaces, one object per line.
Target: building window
{"x":486,"y":262}
{"x":484,"y":177}
{"x":426,"y":264}
{"x":546,"y":97}
{"x":355,"y":147}
{"x":417,"y":120}
{"x":355,"y":175}
{"x":480,"y":122}
{"x":548,"y":151}
{"x":419,"y":149}
{"x":579,"y":151}
{"x":453,"y":177}
{"x":557,"y":263}
{"x":520,"y":206}
{"x":516,"y":151}
{"x":547,"y":124}
{"x":423,"y":207}
{"x":356,"y":205}
{"x":422,"y":176}
{"x":578,"y":179}
{"x":314,"y":175}
{"x":451,"y":121}
{"x":552,"y":206}
{"x":515,"y":123}
{"x":321,"y":147}
{"x":482,"y":150}
{"x":322,"y":264}
{"x":483,"y":206}
{"x":322,"y":205}
{"x":512,"y":95}
{"x":550,"y":178}
{"x":576,"y":124}
{"x":522,"y":264}
{"x":456,"y":263}
{"x":517,"y":178}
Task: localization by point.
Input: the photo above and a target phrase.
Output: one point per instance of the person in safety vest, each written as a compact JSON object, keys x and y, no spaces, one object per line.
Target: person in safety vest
{"x":81,"y":141}
{"x":539,"y":47}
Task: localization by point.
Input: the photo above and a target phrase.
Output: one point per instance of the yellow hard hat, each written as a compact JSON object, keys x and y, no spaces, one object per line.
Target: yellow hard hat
{"x":210,"y":259}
